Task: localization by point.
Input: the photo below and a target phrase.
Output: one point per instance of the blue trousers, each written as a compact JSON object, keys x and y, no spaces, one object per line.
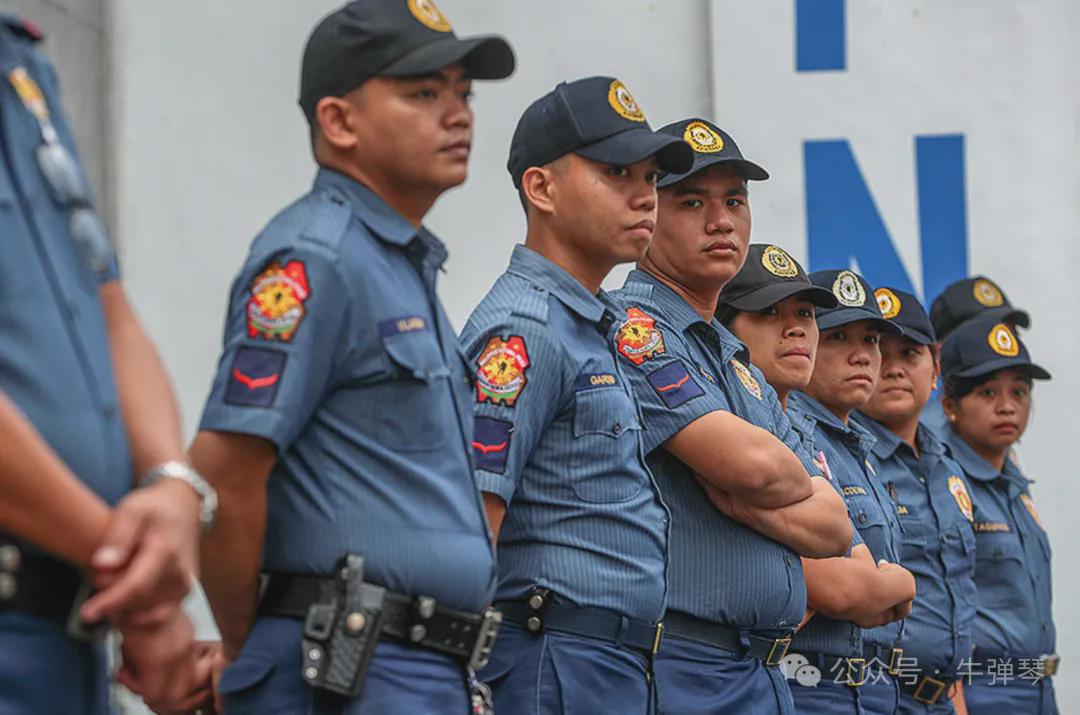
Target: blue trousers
{"x":879,"y":694}
{"x":697,"y":679}
{"x":265,"y":679}
{"x":985,"y":697}
{"x":42,"y":670}
{"x":911,"y":706}
{"x":826,"y":697}
{"x":562,"y":674}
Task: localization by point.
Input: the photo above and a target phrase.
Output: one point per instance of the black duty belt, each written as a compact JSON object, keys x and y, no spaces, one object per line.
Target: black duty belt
{"x":766,"y":648}
{"x":538,"y":613}
{"x":850,"y":671}
{"x":926,"y":689}
{"x":418,"y":620}
{"x":890,"y":658}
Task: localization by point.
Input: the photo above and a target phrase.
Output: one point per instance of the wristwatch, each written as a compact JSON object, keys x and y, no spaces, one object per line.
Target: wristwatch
{"x":178,"y":470}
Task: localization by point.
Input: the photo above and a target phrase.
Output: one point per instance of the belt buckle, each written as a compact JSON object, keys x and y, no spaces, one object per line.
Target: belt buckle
{"x":894,"y":661}
{"x":75,"y":627}
{"x":856,"y":682}
{"x":657,"y":638}
{"x":783,"y":644}
{"x":1050,"y":665}
{"x":485,"y":638}
{"x":939,"y":686}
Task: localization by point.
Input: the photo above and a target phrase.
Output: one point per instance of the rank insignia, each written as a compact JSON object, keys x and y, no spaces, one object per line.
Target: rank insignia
{"x":501,"y":376}
{"x":1029,"y":504}
{"x":276,"y":305}
{"x":674,"y":385}
{"x":254,"y":377}
{"x":491,"y":444}
{"x":963,"y":499}
{"x":746,"y":378}
{"x":638,"y":338}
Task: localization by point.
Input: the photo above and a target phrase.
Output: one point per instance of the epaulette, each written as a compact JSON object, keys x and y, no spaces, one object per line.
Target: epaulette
{"x":22,"y":28}
{"x":532,"y":303}
{"x":329,"y":220}
{"x":637,"y":289}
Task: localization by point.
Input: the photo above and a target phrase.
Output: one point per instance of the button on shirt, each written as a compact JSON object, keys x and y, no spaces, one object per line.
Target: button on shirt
{"x":1012,"y":560}
{"x":558,"y":438}
{"x":55,"y":364}
{"x":934,"y":503}
{"x":337,"y":350}
{"x":847,"y":450}
{"x":682,"y":368}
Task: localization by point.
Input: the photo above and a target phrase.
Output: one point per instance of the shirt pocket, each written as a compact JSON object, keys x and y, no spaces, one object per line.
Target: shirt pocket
{"x":412,"y":406}
{"x":606,"y":436}
{"x":868,"y":518}
{"x":1000,"y":574}
{"x":914,"y":539}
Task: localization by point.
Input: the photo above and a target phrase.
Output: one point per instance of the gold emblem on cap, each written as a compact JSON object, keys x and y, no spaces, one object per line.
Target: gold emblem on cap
{"x":429,"y":15}
{"x":888,"y":302}
{"x":1002,"y":341}
{"x":987,"y":294}
{"x":623,"y":102}
{"x":702,"y":138}
{"x":848,"y":290}
{"x":778,"y":262}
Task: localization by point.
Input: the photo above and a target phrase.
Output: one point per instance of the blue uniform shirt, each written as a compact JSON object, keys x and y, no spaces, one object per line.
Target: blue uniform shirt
{"x":846,"y":450}
{"x":1012,"y":561}
{"x":54,"y":352}
{"x":337,"y":350}
{"x":935,"y":509}
{"x":682,"y":368}
{"x":558,"y":438}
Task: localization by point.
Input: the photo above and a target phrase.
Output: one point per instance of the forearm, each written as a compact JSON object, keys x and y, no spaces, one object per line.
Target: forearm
{"x":39,"y":492}
{"x":816,"y":527}
{"x":147,"y":400}
{"x":855,"y":588}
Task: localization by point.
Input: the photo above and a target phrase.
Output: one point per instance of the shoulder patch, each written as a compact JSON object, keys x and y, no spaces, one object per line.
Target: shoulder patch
{"x":254,"y":377}
{"x":501,"y":376}
{"x":674,"y":385}
{"x":746,"y":377}
{"x":276,"y":306}
{"x":491,"y":444}
{"x":638,"y":338}
{"x":1029,"y":504}
{"x":963,"y":499}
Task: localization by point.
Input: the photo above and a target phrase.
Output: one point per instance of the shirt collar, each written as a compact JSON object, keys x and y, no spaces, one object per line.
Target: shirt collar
{"x":886,"y":442}
{"x":977,"y":467}
{"x":540,"y":271}
{"x":852,"y":431}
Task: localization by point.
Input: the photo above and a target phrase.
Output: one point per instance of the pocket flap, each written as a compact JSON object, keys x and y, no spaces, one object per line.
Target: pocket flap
{"x":417,"y":354}
{"x":248,"y":671}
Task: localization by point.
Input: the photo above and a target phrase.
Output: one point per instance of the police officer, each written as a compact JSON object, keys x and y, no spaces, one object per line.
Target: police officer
{"x":735,"y":590}
{"x":770,"y":306}
{"x":85,"y":408}
{"x":582,"y":532}
{"x":338,"y":425}
{"x":961,"y":301}
{"x":934,"y":505}
{"x":987,"y":400}
{"x":846,"y":371}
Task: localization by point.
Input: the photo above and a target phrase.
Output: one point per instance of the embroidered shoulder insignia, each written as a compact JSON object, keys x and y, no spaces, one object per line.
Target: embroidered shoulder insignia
{"x":501,"y":376}
{"x":963,"y":499}
{"x":638,"y":338}
{"x":746,"y":378}
{"x":1029,"y":504}
{"x":276,"y":305}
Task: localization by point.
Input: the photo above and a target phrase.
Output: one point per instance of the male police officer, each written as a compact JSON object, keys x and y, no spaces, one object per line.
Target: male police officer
{"x":339,"y":421}
{"x":736,"y":592}
{"x":84,"y":406}
{"x":582,"y":533}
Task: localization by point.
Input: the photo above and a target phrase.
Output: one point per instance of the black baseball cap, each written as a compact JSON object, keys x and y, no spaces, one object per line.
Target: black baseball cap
{"x":391,"y":38}
{"x":905,"y":310}
{"x":983,"y":346}
{"x":971,"y":297}
{"x":594,"y":117}
{"x":855,"y":301}
{"x":768,"y":276}
{"x":711,"y":145}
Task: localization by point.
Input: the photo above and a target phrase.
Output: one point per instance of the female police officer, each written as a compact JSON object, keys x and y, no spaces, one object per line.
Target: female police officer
{"x":988,"y":379}
{"x":934,"y":504}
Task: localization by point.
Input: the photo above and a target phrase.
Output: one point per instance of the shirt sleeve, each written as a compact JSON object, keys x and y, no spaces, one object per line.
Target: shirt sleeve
{"x":283,"y":332}
{"x":518,"y":387}
{"x":666,"y":380}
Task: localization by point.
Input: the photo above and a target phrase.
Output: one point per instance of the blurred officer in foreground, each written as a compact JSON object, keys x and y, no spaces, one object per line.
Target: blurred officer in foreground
{"x":846,"y":370}
{"x":87,"y":412}
{"x":964,"y":300}
{"x":770,"y":306}
{"x":933,"y":501}
{"x":736,"y":590}
{"x":582,"y":532}
{"x":338,"y":426}
{"x":988,"y":382}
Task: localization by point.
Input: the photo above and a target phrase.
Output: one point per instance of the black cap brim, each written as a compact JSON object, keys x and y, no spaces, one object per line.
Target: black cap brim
{"x":772,"y":293}
{"x":845,"y":316}
{"x":1005,"y":314}
{"x":917,"y":335}
{"x":1004,"y":363}
{"x":634,"y":145}
{"x":749,"y":169}
{"x":488,"y":57}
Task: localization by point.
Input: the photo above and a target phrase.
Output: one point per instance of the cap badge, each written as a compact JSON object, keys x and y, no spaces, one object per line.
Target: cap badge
{"x":963,"y":499}
{"x":429,"y":15}
{"x":848,"y":290}
{"x":987,"y":294}
{"x":623,"y":102}
{"x":702,"y":138}
{"x":778,"y":262}
{"x":888,"y":302}
{"x":1002,"y":341}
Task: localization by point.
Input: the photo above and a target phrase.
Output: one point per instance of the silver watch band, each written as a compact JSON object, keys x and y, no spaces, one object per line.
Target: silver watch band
{"x":184,"y":473}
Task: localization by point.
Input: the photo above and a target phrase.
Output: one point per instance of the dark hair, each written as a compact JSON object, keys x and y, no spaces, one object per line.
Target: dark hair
{"x":726,"y":314}
{"x":958,"y":387}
